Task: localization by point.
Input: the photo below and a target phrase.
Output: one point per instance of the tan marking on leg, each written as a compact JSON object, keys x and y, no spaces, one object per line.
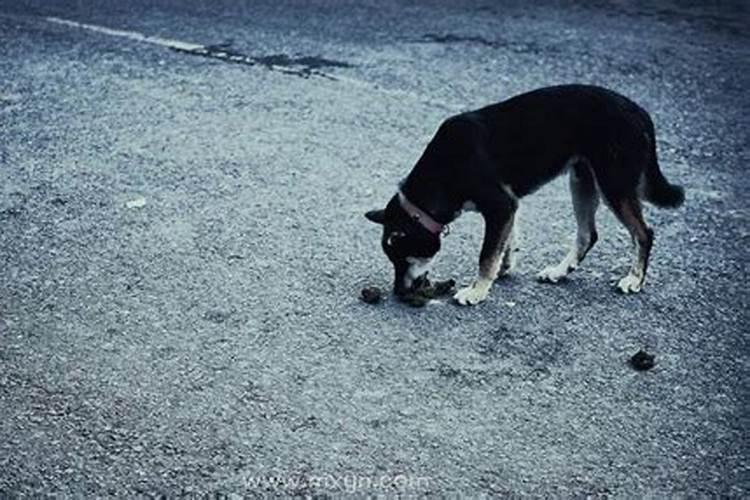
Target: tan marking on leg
{"x":585,"y":203}
{"x":629,"y":212}
{"x":509,"y":259}
{"x":488,"y":268}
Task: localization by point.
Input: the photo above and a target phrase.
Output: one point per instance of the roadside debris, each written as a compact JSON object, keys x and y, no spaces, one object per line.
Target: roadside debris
{"x":138,"y":202}
{"x":371,"y":295}
{"x":642,"y":360}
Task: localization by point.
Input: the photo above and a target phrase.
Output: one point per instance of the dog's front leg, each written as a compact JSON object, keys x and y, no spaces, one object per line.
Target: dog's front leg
{"x":511,"y":247}
{"x":497,"y":229}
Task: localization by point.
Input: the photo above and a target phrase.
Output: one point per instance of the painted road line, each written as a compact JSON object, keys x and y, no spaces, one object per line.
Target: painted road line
{"x":204,"y":50}
{"x":131,"y":35}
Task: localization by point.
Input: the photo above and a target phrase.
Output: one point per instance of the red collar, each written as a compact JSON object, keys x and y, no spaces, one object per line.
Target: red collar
{"x":420,"y":215}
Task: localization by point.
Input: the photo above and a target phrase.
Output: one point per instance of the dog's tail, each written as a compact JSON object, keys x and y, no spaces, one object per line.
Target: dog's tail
{"x":658,"y":190}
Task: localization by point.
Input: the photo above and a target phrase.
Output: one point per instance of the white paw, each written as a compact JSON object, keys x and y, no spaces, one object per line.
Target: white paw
{"x":471,"y":295}
{"x":552,"y":274}
{"x":630,"y":284}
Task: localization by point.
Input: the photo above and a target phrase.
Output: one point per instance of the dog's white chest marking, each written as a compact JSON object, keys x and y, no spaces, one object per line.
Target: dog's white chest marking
{"x":418,"y":266}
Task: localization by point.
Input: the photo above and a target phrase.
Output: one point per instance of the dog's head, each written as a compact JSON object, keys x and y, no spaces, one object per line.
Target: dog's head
{"x":409,"y":245}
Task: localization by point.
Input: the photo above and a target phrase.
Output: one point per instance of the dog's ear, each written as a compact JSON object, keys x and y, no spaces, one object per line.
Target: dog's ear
{"x":377,"y":216}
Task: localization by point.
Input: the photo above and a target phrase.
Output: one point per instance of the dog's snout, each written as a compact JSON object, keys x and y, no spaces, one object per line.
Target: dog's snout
{"x":401,"y":279}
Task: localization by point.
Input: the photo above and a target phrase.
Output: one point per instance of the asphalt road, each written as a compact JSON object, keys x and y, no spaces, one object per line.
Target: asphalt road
{"x":182,"y":247}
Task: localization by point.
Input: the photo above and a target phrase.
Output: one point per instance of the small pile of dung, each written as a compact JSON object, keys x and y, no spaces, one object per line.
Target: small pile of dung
{"x":642,"y":361}
{"x":371,"y":295}
{"x":423,"y":291}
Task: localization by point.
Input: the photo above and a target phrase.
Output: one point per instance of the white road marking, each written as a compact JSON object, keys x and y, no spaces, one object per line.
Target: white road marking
{"x":138,"y":202}
{"x":131,"y":35}
{"x":190,"y":47}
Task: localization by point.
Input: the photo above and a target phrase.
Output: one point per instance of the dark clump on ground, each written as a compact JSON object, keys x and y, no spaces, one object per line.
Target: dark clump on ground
{"x":422,"y":291}
{"x":371,"y":295}
{"x":642,"y":360}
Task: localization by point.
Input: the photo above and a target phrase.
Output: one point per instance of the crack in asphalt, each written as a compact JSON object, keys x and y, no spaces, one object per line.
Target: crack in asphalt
{"x":518,"y":47}
{"x":534,"y":48}
{"x":303,"y":66}
{"x":451,"y":38}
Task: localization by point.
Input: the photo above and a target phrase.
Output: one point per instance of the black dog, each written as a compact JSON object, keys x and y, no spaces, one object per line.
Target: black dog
{"x":487,"y":159}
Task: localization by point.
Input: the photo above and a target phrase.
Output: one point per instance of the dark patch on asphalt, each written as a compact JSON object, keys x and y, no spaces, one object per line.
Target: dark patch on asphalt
{"x":9,"y":101}
{"x":58,"y":201}
{"x":488,"y":346}
{"x":465,"y":377}
{"x":518,"y":47}
{"x":716,"y":17}
{"x":251,"y":392}
{"x":538,"y":351}
{"x":371,"y":295}
{"x":10,"y":212}
{"x":451,"y":38}
{"x":642,"y":361}
{"x":216,"y":316}
{"x":377,"y":423}
{"x":474,"y":376}
{"x":303,"y":66}
{"x":626,"y":68}
{"x":448,"y":371}
{"x":16,"y":206}
{"x":308,"y":423}
{"x":307,"y":63}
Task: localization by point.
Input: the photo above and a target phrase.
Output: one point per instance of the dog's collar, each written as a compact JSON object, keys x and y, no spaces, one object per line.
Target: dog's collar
{"x":421,"y":216}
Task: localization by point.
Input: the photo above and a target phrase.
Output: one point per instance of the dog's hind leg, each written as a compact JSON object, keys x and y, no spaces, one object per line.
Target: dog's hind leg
{"x":585,"y":203}
{"x":628,"y":211}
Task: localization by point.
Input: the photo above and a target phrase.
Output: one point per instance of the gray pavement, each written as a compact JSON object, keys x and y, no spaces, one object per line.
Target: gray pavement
{"x":182,"y":246}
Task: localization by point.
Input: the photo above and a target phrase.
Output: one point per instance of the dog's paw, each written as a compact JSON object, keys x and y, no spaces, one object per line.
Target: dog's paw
{"x":472,"y":295}
{"x":552,"y":274}
{"x":630,"y":284}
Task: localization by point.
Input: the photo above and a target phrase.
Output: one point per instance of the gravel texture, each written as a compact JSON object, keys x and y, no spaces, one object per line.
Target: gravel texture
{"x":182,"y":249}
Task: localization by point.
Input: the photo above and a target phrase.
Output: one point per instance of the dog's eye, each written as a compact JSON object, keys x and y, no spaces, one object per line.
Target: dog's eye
{"x":394,"y":237}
